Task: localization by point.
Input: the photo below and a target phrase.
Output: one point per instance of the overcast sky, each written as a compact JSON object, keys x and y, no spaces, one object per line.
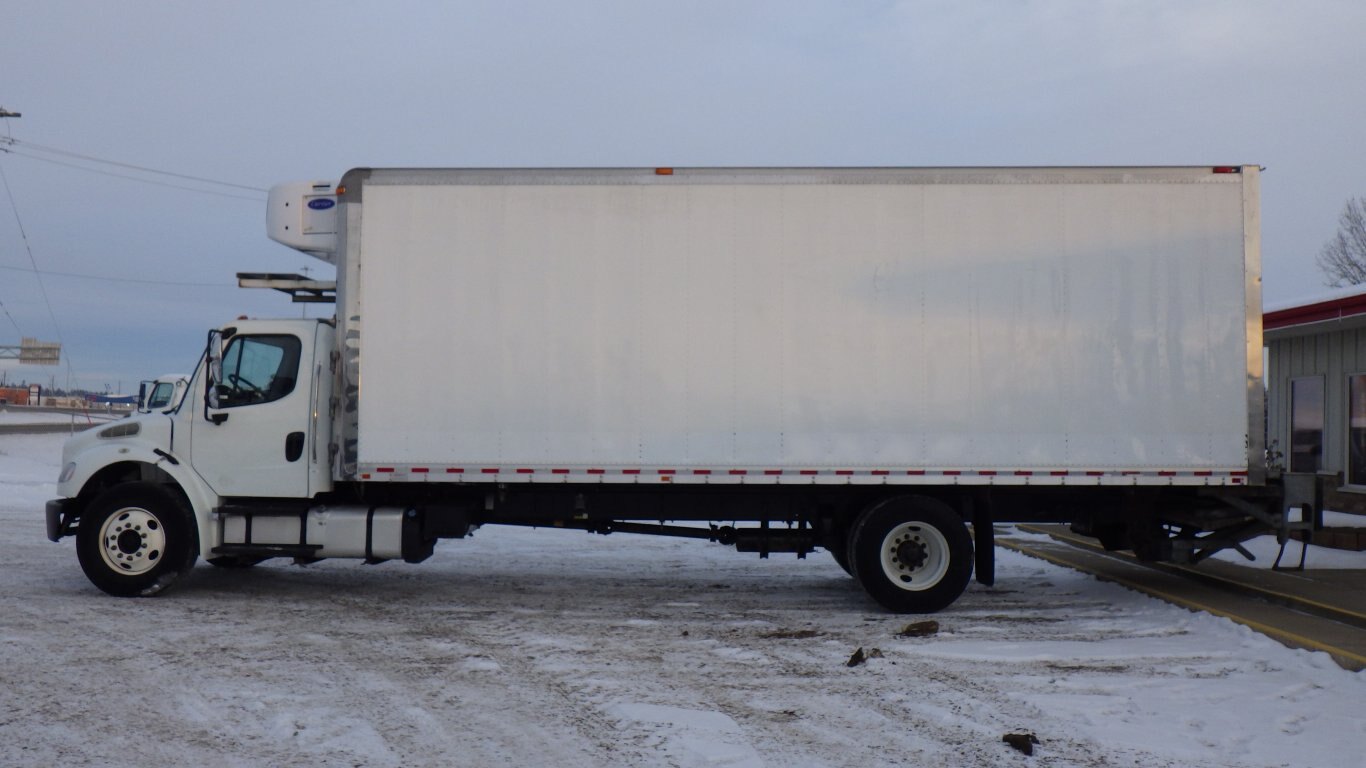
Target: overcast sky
{"x":255,"y":93}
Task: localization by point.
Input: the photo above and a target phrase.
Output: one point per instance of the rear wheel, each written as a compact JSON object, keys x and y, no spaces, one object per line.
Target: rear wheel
{"x":912,"y":554}
{"x":136,"y":539}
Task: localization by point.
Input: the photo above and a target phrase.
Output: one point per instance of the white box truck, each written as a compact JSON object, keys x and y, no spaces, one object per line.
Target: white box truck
{"x":862,"y":360}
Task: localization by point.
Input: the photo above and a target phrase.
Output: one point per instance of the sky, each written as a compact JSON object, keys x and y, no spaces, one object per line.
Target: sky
{"x":130,"y":273}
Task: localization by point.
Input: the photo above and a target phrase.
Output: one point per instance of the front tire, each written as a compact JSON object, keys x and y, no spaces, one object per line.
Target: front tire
{"x":912,"y":554}
{"x":136,"y":540}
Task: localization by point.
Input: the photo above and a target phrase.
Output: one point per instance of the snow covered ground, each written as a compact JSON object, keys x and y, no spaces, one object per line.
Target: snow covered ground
{"x":527,"y":647}
{"x":25,"y":416}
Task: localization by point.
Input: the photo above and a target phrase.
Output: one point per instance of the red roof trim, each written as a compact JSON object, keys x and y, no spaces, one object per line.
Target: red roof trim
{"x":1333,"y":309}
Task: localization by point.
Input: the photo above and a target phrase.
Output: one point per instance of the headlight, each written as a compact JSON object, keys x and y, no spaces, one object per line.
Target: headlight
{"x":67,"y":472}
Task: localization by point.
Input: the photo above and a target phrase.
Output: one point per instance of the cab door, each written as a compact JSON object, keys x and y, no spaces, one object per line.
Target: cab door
{"x":250,"y":437}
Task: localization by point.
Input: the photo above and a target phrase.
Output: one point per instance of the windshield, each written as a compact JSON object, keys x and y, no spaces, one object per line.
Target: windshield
{"x":161,"y":395}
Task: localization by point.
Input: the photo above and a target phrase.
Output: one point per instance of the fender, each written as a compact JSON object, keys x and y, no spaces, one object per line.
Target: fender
{"x":94,"y":458}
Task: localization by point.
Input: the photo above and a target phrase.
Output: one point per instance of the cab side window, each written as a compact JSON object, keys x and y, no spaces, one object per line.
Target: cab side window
{"x":258,"y":369}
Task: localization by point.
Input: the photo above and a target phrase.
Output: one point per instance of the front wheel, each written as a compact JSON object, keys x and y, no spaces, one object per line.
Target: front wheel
{"x":136,"y":539}
{"x":912,"y":554}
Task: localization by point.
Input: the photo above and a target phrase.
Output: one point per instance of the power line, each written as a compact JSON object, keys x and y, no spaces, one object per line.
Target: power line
{"x":110,"y":278}
{"x":66,"y":358}
{"x":11,"y":319}
{"x":41,"y":288}
{"x":90,"y":158}
{"x":129,"y":178}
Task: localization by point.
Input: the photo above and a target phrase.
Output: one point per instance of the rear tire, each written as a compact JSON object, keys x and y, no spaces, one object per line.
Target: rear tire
{"x":136,"y":539}
{"x":912,"y":554}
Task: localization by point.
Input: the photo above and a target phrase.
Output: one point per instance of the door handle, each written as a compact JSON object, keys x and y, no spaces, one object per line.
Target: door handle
{"x":294,"y":446}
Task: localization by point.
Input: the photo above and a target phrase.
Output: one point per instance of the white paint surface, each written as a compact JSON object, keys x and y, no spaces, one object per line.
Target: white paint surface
{"x":1025,"y":319}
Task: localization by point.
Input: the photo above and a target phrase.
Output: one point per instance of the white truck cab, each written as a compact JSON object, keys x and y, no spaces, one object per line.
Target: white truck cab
{"x":150,"y":487}
{"x":162,"y":393}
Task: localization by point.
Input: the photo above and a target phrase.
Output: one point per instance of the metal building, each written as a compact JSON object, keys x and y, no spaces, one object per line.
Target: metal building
{"x":1316,"y":380}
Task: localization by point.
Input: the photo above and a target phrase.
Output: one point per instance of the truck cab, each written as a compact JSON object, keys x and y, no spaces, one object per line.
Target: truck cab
{"x":144,"y":495}
{"x":162,"y":393}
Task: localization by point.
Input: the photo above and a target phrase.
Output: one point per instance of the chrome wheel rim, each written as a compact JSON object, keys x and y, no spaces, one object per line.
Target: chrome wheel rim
{"x":132,"y":541}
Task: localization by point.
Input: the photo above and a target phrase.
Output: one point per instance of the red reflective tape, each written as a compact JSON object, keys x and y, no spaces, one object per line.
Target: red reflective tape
{"x":1202,"y":473}
{"x":701,"y":471}
{"x":879,"y":472}
{"x":1023,"y":473}
{"x":1166,"y":473}
{"x":559,"y":471}
{"x":525,"y":471}
{"x":807,"y":472}
{"x":1130,"y":472}
{"x":455,"y":470}
{"x":915,"y":471}
{"x":420,"y":470}
{"x":987,"y":472}
{"x":952,"y":472}
{"x":773,"y":471}
{"x":1093,"y":473}
{"x":739,"y":472}
{"x":1059,"y":473}
{"x":489,"y":470}
{"x":668,"y":471}
{"x":1239,"y":474}
{"x":843,"y":472}
{"x":384,"y":469}
{"x":597,"y":471}
{"x":630,"y":471}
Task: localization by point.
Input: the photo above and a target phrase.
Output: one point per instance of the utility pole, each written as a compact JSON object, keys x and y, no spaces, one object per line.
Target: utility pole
{"x":6,"y":113}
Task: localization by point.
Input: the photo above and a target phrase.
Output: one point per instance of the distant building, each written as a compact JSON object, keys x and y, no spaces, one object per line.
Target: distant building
{"x":14,"y":395}
{"x":1316,"y":389}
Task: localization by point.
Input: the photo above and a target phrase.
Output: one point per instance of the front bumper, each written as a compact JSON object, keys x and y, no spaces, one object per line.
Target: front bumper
{"x":61,"y":518}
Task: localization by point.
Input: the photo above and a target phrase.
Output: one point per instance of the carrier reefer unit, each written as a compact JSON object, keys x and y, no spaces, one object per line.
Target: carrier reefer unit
{"x":863,"y":360}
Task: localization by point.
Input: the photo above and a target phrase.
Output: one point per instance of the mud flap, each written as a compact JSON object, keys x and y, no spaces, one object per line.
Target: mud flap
{"x":416,"y":545}
{"x":984,"y":540}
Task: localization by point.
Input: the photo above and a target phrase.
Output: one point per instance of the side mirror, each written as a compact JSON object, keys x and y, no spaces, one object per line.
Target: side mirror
{"x":213,"y":374}
{"x":142,"y":396}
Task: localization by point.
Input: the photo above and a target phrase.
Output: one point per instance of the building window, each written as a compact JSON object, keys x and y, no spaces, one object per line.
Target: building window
{"x":1356,"y":429}
{"x":1306,"y":422}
